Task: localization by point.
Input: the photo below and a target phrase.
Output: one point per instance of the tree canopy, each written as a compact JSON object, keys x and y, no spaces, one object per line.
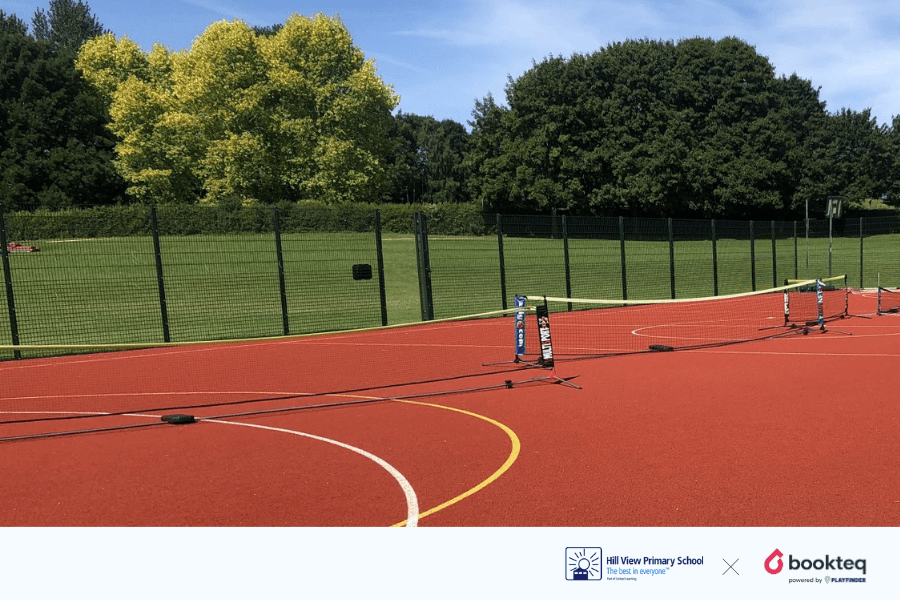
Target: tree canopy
{"x":429,"y":158}
{"x":12,"y":24}
{"x":295,"y":112}
{"x":67,"y":24}
{"x":694,"y":128}
{"x":55,"y":150}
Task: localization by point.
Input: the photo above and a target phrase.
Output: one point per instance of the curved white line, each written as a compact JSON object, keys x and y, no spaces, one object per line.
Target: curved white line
{"x":412,"y":503}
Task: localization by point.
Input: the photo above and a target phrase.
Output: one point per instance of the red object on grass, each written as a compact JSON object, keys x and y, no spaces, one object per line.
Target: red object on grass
{"x":17,"y":247}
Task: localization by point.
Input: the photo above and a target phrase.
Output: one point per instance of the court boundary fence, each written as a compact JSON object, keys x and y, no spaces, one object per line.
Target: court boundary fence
{"x":558,"y":255}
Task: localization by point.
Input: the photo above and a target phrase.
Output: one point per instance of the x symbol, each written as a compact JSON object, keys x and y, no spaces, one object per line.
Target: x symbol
{"x":731,"y":566}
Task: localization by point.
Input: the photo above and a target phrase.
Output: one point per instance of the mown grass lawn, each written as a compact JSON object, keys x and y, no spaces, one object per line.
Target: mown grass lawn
{"x":216,"y":287}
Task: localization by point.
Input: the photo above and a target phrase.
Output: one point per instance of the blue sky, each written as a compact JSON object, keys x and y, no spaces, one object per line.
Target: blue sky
{"x":442,"y":56}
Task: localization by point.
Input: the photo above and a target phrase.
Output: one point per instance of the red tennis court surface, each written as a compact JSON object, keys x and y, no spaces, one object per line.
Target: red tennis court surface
{"x":799,"y":431}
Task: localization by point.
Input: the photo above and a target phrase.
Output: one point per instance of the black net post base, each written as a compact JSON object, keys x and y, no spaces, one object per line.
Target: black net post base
{"x":553,"y":378}
{"x":823,"y":328}
{"x":814,"y":327}
{"x":546,"y":344}
{"x":522,"y":361}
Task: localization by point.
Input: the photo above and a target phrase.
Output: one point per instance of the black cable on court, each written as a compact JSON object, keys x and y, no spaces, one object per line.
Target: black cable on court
{"x":186,"y":419}
{"x":252,"y":400}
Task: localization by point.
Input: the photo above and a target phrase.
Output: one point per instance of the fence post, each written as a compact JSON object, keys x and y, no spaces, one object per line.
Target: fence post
{"x":379,"y":256}
{"x":774,"y":259}
{"x":796,"y":269}
{"x":622,"y":252}
{"x":423,"y":261}
{"x":279,"y":257}
{"x":715,"y":259}
{"x":502,"y":260}
{"x":752,"y":258}
{"x":672,"y":258}
{"x":565,"y":234}
{"x":7,"y":278}
{"x":160,"y":280}
{"x":861,"y":254}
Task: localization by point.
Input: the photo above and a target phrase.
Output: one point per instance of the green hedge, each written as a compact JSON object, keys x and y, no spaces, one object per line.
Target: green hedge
{"x":123,"y":221}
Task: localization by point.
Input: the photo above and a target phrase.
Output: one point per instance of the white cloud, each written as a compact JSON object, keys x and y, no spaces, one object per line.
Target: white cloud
{"x":848,"y":49}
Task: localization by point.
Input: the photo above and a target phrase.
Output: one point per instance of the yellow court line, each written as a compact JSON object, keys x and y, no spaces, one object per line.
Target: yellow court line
{"x":513,"y":455}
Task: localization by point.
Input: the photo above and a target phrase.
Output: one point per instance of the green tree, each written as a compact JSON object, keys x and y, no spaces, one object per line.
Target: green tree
{"x":55,"y":150}
{"x":893,"y":149}
{"x":66,"y":24}
{"x":857,"y":152}
{"x":488,"y":160}
{"x":293,"y":114}
{"x":697,"y":128}
{"x":268,"y":31}
{"x":12,"y":24}
{"x":802,"y":118}
{"x":429,"y":159}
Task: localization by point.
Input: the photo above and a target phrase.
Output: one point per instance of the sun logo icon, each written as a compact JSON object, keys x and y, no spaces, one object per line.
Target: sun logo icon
{"x":583,"y":564}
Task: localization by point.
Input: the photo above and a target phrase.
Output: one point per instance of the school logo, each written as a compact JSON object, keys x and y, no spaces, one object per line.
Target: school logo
{"x":583,"y":564}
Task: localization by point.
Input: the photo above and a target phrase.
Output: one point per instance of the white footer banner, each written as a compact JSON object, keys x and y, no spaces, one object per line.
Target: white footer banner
{"x":460,"y":563}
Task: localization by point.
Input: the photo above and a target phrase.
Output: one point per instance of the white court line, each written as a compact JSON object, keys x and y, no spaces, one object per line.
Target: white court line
{"x":412,"y":503}
{"x":774,"y":353}
{"x":173,"y":393}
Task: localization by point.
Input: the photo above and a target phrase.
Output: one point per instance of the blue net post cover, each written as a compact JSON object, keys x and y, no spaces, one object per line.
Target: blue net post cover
{"x":520,"y":326}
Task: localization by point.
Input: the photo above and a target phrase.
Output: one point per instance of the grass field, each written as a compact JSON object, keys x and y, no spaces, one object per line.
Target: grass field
{"x":216,"y":287}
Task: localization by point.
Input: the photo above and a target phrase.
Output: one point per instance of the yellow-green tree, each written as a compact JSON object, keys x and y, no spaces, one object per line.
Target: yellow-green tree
{"x":239,"y":116}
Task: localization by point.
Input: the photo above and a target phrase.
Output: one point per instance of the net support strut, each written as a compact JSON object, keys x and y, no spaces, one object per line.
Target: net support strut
{"x":546,"y":342}
{"x":820,"y":308}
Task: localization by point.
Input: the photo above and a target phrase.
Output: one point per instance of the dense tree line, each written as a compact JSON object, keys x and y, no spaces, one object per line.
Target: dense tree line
{"x":55,"y":148}
{"x":698,"y":128}
{"x":293,"y":111}
{"x":428,"y":160}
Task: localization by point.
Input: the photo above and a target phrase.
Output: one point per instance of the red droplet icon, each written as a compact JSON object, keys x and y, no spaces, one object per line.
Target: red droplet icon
{"x":776,"y":556}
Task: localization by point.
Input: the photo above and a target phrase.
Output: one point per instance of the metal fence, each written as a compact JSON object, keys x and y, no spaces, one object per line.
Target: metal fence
{"x":631,"y":258}
{"x":165,"y":286}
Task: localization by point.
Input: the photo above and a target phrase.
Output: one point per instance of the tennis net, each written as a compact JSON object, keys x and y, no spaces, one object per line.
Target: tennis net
{"x":815,"y":303}
{"x":584,"y":328}
{"x":99,"y":381}
{"x":485,"y":351}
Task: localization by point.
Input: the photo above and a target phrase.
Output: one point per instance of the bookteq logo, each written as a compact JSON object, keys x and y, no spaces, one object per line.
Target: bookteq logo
{"x":774,"y":564}
{"x":775,"y":556}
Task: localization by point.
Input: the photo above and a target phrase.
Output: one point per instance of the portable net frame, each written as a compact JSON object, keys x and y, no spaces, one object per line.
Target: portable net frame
{"x":585,"y":328}
{"x":818,"y":302}
{"x":888,"y":299}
